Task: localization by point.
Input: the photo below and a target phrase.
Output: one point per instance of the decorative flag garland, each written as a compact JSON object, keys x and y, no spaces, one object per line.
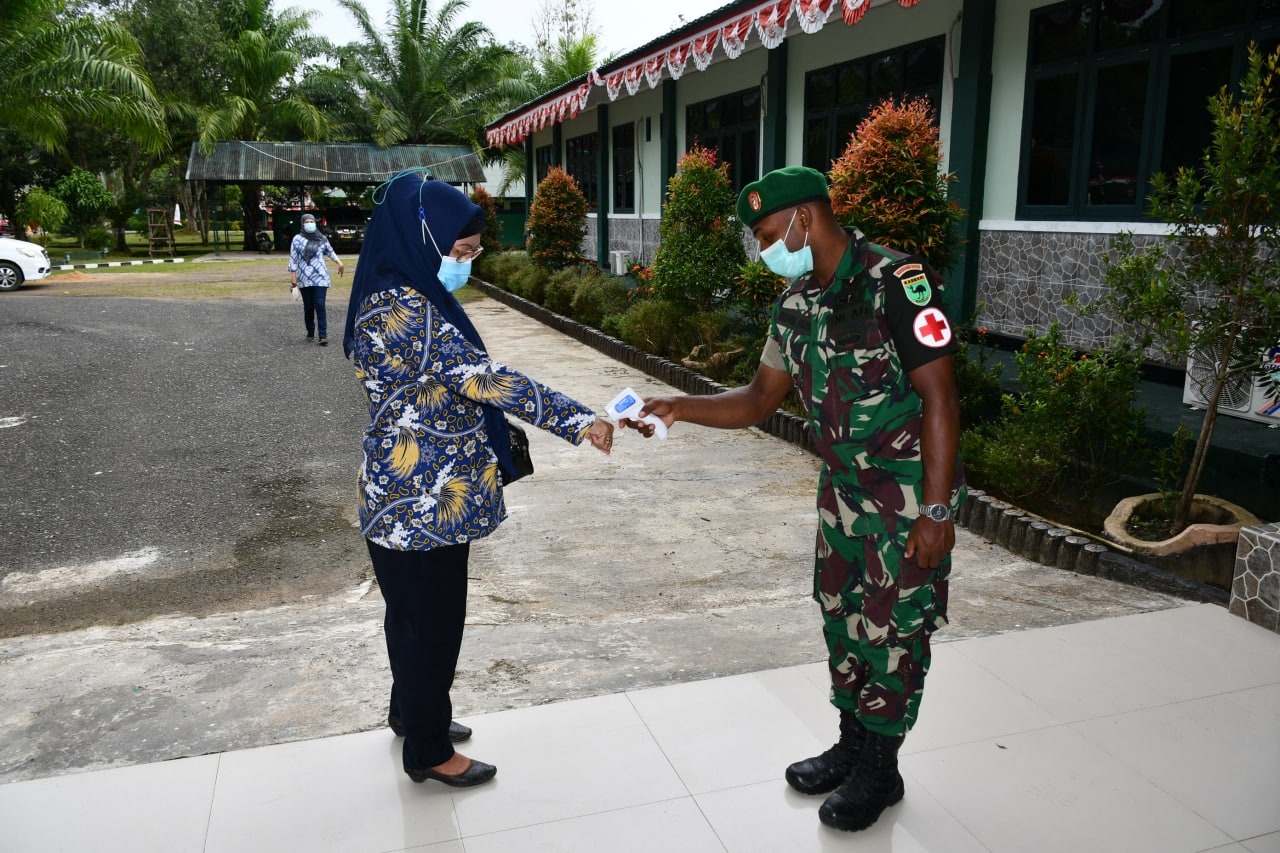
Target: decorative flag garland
{"x":769,"y":20}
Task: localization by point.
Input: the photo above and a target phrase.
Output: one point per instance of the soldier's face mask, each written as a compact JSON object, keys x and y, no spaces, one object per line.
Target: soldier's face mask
{"x":785,"y":262}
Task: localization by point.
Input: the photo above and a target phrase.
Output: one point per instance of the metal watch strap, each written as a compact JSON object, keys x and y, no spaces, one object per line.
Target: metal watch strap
{"x":937,"y":512}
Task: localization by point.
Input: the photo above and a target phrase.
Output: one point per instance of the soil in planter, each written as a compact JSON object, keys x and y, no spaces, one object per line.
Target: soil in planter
{"x":1151,"y":525}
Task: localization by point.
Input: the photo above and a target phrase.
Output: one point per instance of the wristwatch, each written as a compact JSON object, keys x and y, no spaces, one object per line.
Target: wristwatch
{"x":938,"y":512}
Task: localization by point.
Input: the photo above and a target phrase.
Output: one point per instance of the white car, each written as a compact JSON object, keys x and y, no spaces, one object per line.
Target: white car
{"x":21,"y":261}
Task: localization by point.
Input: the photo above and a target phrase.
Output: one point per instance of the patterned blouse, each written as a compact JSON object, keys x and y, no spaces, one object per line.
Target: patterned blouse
{"x":311,"y":271}
{"x":429,"y":477}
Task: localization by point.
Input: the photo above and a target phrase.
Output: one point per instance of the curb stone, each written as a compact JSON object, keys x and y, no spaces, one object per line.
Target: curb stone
{"x":982,"y":514}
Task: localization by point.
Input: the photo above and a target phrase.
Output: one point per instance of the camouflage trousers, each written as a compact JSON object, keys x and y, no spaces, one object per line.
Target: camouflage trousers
{"x":878,"y":611}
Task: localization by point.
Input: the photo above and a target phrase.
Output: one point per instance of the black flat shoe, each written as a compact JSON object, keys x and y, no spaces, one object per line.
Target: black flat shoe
{"x":457,"y":731}
{"x":477,"y":774}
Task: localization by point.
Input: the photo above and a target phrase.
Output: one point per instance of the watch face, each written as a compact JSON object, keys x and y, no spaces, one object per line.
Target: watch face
{"x":939,"y":512}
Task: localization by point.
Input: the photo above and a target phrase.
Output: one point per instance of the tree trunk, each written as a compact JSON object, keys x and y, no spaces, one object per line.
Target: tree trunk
{"x":1222,"y":369}
{"x":250,"y":213}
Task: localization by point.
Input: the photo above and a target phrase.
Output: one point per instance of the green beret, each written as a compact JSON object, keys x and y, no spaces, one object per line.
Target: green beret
{"x":778,"y":190}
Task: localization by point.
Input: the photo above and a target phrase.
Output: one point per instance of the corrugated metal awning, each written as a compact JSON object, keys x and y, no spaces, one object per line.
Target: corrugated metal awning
{"x":325,"y":163}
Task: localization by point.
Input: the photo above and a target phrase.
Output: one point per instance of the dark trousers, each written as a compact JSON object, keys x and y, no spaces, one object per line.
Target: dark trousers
{"x":426,"y":596}
{"x":313,"y":310}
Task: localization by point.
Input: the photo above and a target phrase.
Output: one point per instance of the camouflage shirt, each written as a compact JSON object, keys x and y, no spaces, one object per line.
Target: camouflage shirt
{"x":849,"y":348}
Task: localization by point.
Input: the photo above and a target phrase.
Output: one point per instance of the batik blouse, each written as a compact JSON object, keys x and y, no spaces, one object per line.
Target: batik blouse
{"x":429,"y":477}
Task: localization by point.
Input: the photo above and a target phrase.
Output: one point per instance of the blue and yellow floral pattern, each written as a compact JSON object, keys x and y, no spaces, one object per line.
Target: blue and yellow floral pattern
{"x":429,"y":477}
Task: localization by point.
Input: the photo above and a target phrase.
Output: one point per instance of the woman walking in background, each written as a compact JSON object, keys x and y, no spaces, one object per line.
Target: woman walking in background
{"x":309,"y":274}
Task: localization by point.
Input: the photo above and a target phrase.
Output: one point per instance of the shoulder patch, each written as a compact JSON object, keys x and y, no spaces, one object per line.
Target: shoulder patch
{"x":931,"y":328}
{"x":918,"y":289}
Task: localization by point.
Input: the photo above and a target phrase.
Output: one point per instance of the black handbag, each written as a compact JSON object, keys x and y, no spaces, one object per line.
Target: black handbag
{"x":520,"y":457}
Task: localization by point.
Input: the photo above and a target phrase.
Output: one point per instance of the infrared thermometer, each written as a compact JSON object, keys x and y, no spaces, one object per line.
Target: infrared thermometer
{"x":628,"y":405}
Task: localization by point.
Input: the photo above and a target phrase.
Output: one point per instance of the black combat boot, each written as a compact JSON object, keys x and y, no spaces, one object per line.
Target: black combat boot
{"x":823,"y":773}
{"x":872,"y":786}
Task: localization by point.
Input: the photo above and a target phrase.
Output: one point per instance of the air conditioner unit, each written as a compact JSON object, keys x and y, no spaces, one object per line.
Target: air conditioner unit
{"x":620,"y":262}
{"x":1251,"y":398}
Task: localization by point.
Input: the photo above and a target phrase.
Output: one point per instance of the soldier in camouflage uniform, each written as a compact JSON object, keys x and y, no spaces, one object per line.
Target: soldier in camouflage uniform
{"x":862,"y":337}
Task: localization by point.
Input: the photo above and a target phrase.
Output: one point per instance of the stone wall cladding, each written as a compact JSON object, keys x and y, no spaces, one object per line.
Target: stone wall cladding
{"x":984,"y":515}
{"x":1255,"y":591}
{"x":625,"y":236}
{"x":1025,"y":277}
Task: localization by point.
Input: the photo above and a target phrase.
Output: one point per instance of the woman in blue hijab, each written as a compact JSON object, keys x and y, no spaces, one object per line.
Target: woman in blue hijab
{"x":435,"y":449}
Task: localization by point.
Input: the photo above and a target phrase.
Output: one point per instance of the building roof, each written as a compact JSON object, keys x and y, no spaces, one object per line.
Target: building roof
{"x":330,"y":163}
{"x":727,"y":28}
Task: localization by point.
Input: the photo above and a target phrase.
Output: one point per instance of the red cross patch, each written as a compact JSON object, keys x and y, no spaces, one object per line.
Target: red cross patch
{"x":753,"y":199}
{"x":931,"y":328}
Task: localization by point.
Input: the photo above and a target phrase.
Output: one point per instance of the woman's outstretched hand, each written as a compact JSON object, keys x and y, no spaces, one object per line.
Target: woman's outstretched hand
{"x":601,"y":436}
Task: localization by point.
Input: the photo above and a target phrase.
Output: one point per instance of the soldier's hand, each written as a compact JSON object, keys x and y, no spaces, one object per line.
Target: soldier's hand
{"x":929,"y":541}
{"x":663,"y":407}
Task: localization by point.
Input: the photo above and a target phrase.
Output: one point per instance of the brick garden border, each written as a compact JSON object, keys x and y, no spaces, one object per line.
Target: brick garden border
{"x":994,"y":520}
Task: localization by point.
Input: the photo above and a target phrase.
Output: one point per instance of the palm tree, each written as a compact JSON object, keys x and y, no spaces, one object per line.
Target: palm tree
{"x":558,"y":62}
{"x":428,"y":80}
{"x":71,"y":70}
{"x":267,"y":55}
{"x":62,"y":72}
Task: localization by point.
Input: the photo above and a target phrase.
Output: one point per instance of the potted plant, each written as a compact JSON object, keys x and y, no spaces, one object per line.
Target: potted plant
{"x":1214,"y":286}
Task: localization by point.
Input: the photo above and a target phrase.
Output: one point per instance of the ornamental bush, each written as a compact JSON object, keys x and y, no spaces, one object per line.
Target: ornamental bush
{"x":1072,"y":431}
{"x":557,"y":221}
{"x":491,"y":237}
{"x":701,"y":249}
{"x":889,"y":183}
{"x":563,"y":286}
{"x":598,"y":299}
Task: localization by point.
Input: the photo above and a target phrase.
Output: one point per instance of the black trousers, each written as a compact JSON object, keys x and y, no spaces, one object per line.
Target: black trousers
{"x":426,"y":597}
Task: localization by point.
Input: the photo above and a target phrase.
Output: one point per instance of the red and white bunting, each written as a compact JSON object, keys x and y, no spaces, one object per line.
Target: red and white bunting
{"x":855,"y":9}
{"x":653,"y":69}
{"x":812,"y":15}
{"x":733,"y":36}
{"x":768,"y":19}
{"x":677,"y":59}
{"x":704,"y":46}
{"x":771,"y":23}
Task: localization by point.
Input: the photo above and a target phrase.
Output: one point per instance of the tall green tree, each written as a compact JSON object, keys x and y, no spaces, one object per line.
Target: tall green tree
{"x":429,"y":78}
{"x":63,"y":70}
{"x":1218,"y":297}
{"x":86,"y":200}
{"x":267,"y":55}
{"x":561,"y":56}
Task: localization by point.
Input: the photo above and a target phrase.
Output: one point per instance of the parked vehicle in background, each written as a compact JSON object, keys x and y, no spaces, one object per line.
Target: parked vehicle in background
{"x":6,"y":227}
{"x":344,"y":226}
{"x":21,"y":261}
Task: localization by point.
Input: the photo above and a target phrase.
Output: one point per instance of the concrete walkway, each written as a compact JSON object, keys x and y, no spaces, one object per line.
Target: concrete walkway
{"x":669,"y":562}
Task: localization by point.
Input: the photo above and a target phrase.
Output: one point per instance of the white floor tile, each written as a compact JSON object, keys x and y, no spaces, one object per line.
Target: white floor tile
{"x":442,"y":847}
{"x":770,"y":817}
{"x":963,"y":703}
{"x":734,"y":731}
{"x":1053,"y":790}
{"x":1215,"y":755}
{"x":343,"y":794}
{"x":1264,"y":844}
{"x":1196,"y":637}
{"x":561,"y":761}
{"x":1077,"y":672}
{"x":150,"y":807}
{"x":675,"y":825}
{"x":820,"y":675}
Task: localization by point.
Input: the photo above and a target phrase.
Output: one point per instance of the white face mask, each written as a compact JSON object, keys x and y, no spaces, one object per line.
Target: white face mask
{"x":785,"y":262}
